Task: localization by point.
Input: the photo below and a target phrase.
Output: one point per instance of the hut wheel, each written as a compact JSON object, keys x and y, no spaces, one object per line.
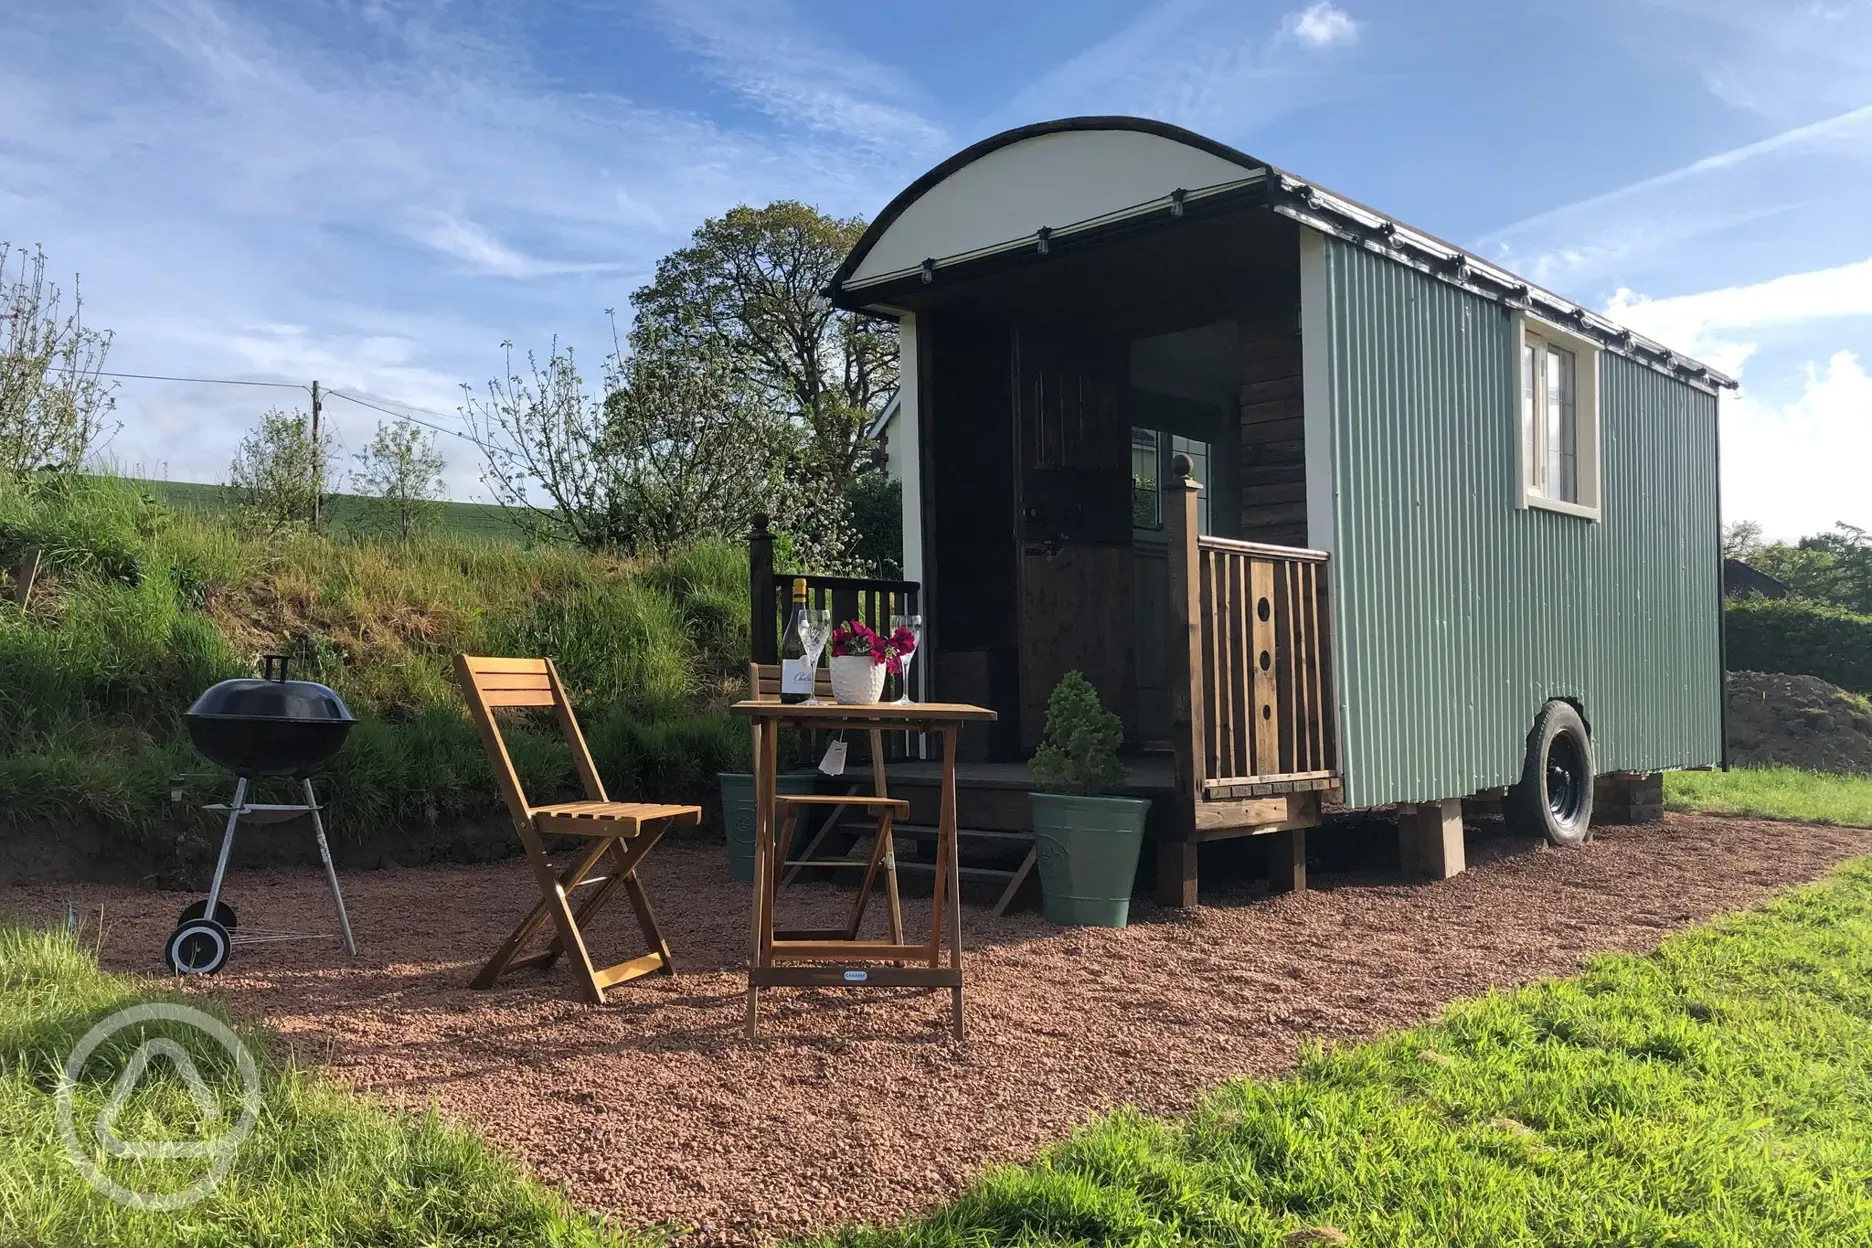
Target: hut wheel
{"x":1554,"y":797}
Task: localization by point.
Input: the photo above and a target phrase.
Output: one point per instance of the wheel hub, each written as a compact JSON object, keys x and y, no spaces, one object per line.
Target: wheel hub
{"x":1566,"y":780}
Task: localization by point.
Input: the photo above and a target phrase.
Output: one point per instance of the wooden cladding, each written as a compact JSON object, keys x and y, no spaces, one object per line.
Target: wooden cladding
{"x":1273,"y":434}
{"x":1267,"y":711}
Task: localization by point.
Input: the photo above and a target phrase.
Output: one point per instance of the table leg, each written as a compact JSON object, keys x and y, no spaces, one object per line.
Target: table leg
{"x":765,"y":759}
{"x":947,"y":836}
{"x":880,"y":786}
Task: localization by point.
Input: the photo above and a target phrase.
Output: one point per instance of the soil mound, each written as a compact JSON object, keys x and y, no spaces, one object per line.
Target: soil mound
{"x":1777,"y":720}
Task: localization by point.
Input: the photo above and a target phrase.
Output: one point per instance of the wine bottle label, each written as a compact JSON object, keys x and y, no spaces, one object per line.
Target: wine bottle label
{"x":795,"y":677}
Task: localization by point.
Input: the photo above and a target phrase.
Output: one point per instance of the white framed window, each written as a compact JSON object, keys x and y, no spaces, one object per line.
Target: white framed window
{"x":1558,"y":452}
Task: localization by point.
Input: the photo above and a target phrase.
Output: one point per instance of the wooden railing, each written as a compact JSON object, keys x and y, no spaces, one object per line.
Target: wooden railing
{"x":872,"y":600}
{"x":1250,"y":624}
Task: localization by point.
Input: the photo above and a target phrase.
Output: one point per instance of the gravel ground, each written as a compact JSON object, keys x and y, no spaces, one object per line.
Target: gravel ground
{"x":856,"y":1105}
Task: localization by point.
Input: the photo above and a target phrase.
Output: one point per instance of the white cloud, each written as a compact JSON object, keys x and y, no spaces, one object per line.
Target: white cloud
{"x":1779,"y":59}
{"x":1721,"y":326}
{"x":1800,"y":467}
{"x":761,"y":50}
{"x":1796,"y":448}
{"x":1214,"y":66}
{"x":1322,"y":25}
{"x":242,"y":195}
{"x":484,"y":253}
{"x":1801,"y":167}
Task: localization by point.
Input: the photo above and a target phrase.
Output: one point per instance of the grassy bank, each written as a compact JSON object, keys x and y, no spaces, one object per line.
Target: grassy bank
{"x":345,"y":514}
{"x":320,"y":1167}
{"x":1712,"y":1093}
{"x":1773,"y":793}
{"x":140,"y":606}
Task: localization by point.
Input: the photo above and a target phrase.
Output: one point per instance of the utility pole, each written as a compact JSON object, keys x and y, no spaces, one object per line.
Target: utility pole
{"x":318,"y":461}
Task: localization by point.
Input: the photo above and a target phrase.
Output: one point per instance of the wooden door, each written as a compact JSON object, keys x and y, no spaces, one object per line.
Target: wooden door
{"x":1076,"y":609}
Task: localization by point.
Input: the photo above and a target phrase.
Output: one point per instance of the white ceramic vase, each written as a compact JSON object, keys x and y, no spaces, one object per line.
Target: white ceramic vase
{"x":856,"y":680}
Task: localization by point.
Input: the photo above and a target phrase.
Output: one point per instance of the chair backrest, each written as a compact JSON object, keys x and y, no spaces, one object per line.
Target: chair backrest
{"x":764,"y":686}
{"x":487,"y":685}
{"x":764,"y":682}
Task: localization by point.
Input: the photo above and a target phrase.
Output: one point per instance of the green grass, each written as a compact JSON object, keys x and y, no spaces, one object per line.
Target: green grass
{"x":344,"y":512}
{"x":320,"y":1167}
{"x":1714,"y":1093}
{"x":139,"y":606}
{"x":1773,"y":793}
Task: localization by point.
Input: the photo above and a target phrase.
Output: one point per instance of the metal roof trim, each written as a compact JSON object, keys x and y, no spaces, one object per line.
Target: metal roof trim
{"x":1347,"y":219}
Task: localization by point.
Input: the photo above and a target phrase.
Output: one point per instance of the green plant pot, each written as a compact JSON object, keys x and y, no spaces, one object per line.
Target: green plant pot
{"x":737,"y":808}
{"x":1088,"y":855}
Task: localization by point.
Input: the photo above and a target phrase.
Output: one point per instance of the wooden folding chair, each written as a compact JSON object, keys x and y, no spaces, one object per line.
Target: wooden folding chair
{"x":625,"y":830}
{"x":764,"y":686}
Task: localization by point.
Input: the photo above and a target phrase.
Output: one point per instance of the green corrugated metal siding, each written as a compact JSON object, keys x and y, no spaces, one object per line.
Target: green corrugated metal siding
{"x":1458,"y":615}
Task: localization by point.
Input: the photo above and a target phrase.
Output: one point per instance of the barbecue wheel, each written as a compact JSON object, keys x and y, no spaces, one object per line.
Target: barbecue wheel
{"x":199,"y":947}
{"x":224,"y":914}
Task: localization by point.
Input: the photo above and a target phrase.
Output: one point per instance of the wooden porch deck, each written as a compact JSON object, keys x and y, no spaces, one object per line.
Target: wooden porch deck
{"x":1148,"y":775}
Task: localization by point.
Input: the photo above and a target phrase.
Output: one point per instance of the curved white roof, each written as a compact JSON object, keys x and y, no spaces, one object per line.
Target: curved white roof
{"x":1053,"y":180}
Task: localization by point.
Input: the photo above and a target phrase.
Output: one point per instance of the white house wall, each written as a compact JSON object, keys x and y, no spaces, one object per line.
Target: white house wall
{"x":904,"y":448}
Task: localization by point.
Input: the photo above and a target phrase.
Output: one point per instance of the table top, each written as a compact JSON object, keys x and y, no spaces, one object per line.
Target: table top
{"x":868,"y":712}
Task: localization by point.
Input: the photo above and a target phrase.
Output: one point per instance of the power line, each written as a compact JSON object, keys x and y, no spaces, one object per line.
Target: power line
{"x":206,"y":381}
{"x":288,"y":385}
{"x":351,"y":398}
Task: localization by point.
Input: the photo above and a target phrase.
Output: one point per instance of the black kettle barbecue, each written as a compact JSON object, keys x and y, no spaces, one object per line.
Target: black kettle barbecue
{"x":269,"y":727}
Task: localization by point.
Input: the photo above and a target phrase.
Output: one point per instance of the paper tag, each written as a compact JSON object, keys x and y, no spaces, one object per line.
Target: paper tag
{"x":795,"y":677}
{"x":833,"y":764}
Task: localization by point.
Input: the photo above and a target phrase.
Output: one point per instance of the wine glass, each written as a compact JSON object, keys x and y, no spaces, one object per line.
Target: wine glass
{"x":914,"y":623}
{"x":815,"y":629}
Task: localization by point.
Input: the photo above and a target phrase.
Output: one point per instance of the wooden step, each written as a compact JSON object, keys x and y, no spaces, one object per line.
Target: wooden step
{"x":920,"y":830}
{"x":967,"y":873}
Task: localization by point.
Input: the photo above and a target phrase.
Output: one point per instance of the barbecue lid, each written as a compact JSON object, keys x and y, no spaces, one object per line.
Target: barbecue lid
{"x":272,"y":697}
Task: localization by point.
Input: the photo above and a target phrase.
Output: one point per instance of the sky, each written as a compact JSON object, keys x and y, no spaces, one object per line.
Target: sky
{"x":379,"y":194}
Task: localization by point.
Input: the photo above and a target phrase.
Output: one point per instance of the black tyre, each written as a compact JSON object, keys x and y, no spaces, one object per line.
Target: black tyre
{"x":200,"y":947}
{"x":224,"y":914}
{"x":1554,"y":797}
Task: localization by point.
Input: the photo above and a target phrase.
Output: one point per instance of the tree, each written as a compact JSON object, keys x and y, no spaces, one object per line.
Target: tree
{"x":544,"y":432}
{"x":751,"y":279}
{"x":694,"y":455}
{"x":400,"y":474}
{"x":54,"y":404}
{"x":1741,"y":540}
{"x":280,"y":474}
{"x":676,"y":450}
{"x":875,"y":503}
{"x":1831,"y":567}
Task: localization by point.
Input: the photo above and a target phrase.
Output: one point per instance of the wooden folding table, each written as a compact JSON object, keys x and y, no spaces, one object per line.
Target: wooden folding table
{"x":843,"y":961}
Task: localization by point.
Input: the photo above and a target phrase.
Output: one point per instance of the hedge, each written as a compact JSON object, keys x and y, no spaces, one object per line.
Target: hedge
{"x":1800,"y":637}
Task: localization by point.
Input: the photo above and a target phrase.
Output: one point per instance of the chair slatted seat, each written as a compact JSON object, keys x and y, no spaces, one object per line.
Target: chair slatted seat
{"x":626,"y":831}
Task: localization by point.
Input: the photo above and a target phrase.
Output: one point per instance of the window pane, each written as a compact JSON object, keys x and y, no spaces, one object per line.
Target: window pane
{"x":1146,"y":513}
{"x":1562,"y":443}
{"x":1530,"y":364}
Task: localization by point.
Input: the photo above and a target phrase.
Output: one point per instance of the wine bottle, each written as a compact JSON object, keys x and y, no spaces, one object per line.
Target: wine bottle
{"x":796,"y":678}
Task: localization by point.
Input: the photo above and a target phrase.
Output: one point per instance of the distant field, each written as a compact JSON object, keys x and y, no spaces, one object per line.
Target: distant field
{"x":460,"y":519}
